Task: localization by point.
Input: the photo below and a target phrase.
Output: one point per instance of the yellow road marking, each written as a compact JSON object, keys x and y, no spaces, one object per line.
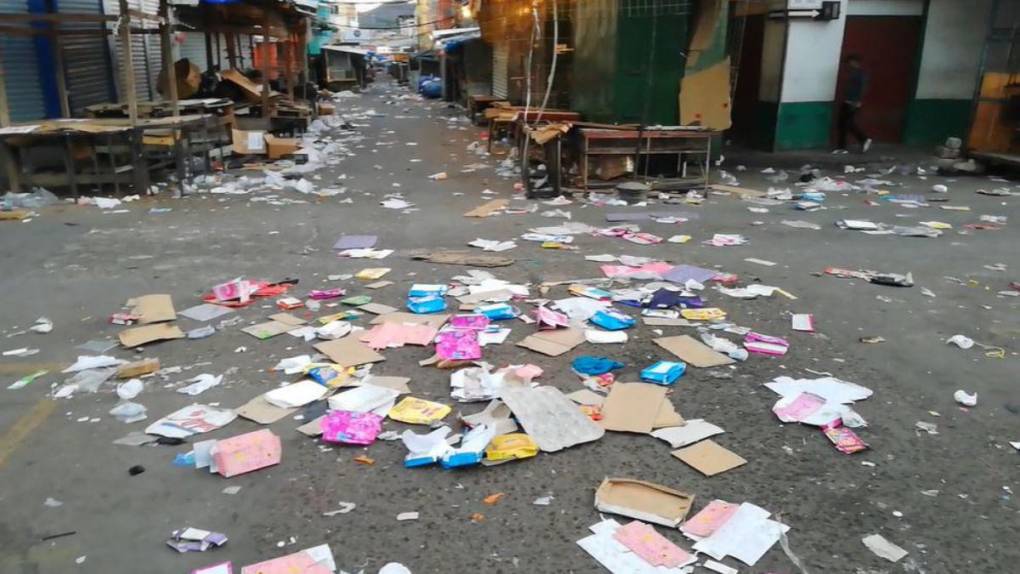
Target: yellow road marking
{"x":12,"y":439}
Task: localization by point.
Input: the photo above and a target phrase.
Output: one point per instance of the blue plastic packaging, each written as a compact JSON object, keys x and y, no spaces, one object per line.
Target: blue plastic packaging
{"x":498,"y":311}
{"x":664,"y":372}
{"x":426,"y":290}
{"x":612,"y":321}
{"x":426,"y":305}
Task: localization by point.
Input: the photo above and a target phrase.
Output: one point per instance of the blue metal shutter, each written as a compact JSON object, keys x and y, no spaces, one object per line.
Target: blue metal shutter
{"x":21,"y":68}
{"x":87,"y":65}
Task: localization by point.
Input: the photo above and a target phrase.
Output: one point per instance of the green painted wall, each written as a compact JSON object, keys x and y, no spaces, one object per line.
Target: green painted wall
{"x":594,"y":60}
{"x":803,"y":125}
{"x":631,"y":81}
{"x":930,"y":122}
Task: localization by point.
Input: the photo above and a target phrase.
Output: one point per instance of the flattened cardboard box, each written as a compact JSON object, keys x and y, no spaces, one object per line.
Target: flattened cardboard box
{"x":632,"y":407}
{"x":268,"y":330}
{"x":262,"y":411}
{"x":152,"y":308}
{"x":709,"y":457}
{"x":349,"y":352}
{"x":436,"y":321}
{"x":642,"y":500}
{"x":553,"y":343}
{"x":487,"y":209}
{"x":148,"y":334}
{"x":693,"y":352}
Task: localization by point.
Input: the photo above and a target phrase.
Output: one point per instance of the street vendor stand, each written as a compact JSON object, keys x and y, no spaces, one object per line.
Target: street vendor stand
{"x":690,"y":145}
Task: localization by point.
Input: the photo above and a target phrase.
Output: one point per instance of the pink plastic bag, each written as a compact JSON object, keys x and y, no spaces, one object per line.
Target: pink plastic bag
{"x":348,"y":427}
{"x":549,"y":319}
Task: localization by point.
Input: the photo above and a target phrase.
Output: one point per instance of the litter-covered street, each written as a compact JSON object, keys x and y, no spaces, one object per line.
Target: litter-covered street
{"x":765,"y":288}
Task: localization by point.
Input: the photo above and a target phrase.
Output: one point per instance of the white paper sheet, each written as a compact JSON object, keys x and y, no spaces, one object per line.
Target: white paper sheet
{"x":296,"y":395}
{"x":746,"y":536}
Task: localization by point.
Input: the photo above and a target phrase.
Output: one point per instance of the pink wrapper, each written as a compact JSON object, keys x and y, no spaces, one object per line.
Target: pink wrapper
{"x":320,"y":294}
{"x":549,"y":319}
{"x":845,"y":440}
{"x":765,"y":344}
{"x":474,"y":322}
{"x":351,"y":428}
{"x":802,"y":407}
{"x":459,"y":345}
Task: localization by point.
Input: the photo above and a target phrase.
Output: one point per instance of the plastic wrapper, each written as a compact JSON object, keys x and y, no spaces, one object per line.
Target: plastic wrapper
{"x":347,"y":427}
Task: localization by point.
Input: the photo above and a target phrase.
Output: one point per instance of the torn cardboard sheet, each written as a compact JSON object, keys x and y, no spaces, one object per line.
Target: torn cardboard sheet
{"x":489,"y":208}
{"x":550,"y":418}
{"x":691,"y":432}
{"x":287,"y":319}
{"x":263,"y":412}
{"x":632,"y":407}
{"x":398,"y":384}
{"x":268,"y":329}
{"x":436,"y":321}
{"x":465,"y":258}
{"x":693,"y":352}
{"x":377,"y":309}
{"x":709,"y":458}
{"x":604,"y":547}
{"x":152,"y":308}
{"x":643,"y":501}
{"x":667,"y":416}
{"x":554,"y":342}
{"x":349,"y":352}
{"x":148,"y":334}
{"x":586,"y":397}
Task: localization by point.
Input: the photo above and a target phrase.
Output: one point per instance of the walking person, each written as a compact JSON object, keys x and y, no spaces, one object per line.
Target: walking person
{"x":856,"y":84}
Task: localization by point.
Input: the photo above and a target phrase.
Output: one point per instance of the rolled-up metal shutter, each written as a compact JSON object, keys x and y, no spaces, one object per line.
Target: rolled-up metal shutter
{"x":87,"y":65}
{"x":21,"y":70}
{"x":500,"y":64}
{"x":145,"y":70}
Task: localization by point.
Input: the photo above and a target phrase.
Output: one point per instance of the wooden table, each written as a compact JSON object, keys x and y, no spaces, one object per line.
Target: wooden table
{"x":681,"y":142}
{"x":478,"y":103}
{"x":118,"y":150}
{"x":514,"y":119}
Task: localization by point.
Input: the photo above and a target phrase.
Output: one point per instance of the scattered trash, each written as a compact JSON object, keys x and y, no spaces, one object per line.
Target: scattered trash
{"x":883,"y":548}
{"x":964,"y":398}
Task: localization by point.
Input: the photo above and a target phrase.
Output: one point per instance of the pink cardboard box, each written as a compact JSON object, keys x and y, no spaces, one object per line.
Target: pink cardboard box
{"x":247,"y":452}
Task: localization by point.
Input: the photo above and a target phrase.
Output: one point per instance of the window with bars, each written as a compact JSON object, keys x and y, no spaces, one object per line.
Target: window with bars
{"x":632,"y":8}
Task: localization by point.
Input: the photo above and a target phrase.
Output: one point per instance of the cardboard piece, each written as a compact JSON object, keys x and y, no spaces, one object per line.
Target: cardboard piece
{"x":644,"y":501}
{"x":632,"y":407}
{"x":691,"y":432}
{"x":377,"y":309}
{"x":465,"y":258}
{"x":705,"y":97}
{"x":586,"y":397}
{"x":549,"y":417}
{"x":261,"y":411}
{"x":247,"y":452}
{"x":693,"y":352}
{"x":398,"y":384}
{"x":137,"y":368}
{"x":277,"y":147}
{"x":312,"y":428}
{"x":709,"y":458}
{"x":349,"y":352}
{"x":251,"y":90}
{"x":248,"y":142}
{"x":268,"y":330}
{"x":436,"y":321}
{"x":205,"y":312}
{"x":489,"y":208}
{"x":148,"y":334}
{"x":288,"y":319}
{"x":667,"y":416}
{"x":152,"y":308}
{"x":553,"y":343}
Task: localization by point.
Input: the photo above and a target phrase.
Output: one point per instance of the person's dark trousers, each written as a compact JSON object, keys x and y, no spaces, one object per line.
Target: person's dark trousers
{"x":848,"y":123}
